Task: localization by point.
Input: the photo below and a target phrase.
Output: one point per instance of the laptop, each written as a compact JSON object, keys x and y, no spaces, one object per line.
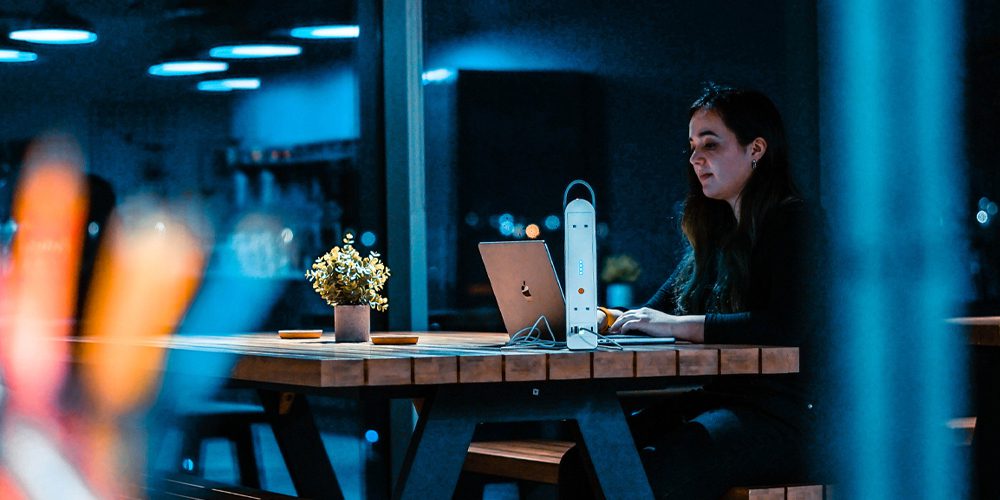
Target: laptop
{"x":525,"y":284}
{"x":526,"y":287}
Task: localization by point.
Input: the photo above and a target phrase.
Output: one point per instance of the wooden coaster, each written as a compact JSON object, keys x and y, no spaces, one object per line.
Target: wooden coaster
{"x":394,"y":339}
{"x":300,"y":334}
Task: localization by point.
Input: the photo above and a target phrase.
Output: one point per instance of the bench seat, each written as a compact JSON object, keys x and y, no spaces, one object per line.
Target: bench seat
{"x":539,"y":460}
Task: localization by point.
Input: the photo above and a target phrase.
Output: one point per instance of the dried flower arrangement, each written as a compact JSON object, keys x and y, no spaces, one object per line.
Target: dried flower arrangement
{"x":342,"y":277}
{"x":620,"y":269}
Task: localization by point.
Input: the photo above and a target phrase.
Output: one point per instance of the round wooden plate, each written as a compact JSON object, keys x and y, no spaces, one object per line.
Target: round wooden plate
{"x":300,"y":334}
{"x":394,"y":339}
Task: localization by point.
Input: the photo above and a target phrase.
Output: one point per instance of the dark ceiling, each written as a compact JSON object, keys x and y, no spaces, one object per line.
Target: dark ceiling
{"x":132,"y":35}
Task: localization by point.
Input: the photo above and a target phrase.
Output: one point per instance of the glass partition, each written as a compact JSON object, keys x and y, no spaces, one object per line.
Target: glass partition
{"x":523,"y":97}
{"x":248,"y":114}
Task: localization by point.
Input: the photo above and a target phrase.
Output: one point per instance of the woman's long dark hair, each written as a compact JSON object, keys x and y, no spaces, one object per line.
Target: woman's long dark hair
{"x":715,"y":272}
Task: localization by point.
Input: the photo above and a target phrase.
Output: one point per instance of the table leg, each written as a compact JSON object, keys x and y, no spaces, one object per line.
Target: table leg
{"x":437,"y":448}
{"x":609,"y":450}
{"x":444,"y":431}
{"x":301,"y":445}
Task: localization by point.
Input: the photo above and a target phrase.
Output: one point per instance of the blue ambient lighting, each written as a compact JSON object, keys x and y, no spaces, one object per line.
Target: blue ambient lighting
{"x":438,"y":76}
{"x":472,"y":219}
{"x":255,"y":51}
{"x":506,"y":224}
{"x":326,"y":32}
{"x":371,"y":436}
{"x":367,"y":238}
{"x":229,"y":84}
{"x":184,"y":68}
{"x":552,"y":223}
{"x":908,"y":383}
{"x":51,"y":36}
{"x":15,"y":56}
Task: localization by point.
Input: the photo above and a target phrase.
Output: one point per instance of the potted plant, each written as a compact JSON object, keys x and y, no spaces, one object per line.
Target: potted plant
{"x":352,"y":285}
{"x":619,"y":272}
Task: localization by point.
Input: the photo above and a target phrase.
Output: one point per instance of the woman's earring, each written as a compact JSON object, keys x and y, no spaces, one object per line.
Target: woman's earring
{"x":753,"y":164}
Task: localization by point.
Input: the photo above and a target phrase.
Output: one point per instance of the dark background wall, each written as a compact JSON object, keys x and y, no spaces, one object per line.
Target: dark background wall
{"x":648,"y":59}
{"x":982,"y":126}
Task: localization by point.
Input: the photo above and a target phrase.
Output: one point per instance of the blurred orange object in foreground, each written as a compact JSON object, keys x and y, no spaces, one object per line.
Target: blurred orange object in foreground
{"x":146,"y":275}
{"x":40,"y":292}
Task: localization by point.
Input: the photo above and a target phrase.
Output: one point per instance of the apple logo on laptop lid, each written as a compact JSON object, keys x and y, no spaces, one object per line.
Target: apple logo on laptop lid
{"x":526,"y":292}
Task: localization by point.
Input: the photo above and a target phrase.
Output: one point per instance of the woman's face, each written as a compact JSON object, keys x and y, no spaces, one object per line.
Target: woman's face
{"x":722,"y":165}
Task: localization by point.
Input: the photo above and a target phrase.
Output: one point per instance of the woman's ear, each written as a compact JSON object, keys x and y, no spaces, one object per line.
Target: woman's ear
{"x":757,"y":148}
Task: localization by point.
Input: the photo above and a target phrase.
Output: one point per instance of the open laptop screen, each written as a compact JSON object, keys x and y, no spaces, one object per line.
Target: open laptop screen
{"x":525,"y":285}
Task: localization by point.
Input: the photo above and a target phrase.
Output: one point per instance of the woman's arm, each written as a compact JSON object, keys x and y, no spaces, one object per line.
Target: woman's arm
{"x":662,"y":300}
{"x":660,"y":324}
{"x":651,"y":320}
{"x":786,"y":305}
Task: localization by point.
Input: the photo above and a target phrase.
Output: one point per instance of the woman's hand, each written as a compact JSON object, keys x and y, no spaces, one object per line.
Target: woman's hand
{"x":660,"y":324}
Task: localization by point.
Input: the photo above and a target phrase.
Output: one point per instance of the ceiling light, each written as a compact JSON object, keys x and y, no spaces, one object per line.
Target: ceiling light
{"x":326,"y":31}
{"x":16,"y":56}
{"x":229,"y":84}
{"x":438,"y":76}
{"x":254,"y":51}
{"x":184,"y":59}
{"x":55,"y":25}
{"x":185,"y":68}
{"x":53,"y":36}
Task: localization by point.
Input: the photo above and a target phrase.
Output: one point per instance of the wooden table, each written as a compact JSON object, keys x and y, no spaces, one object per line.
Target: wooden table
{"x":980,"y":330}
{"x":467,"y":379}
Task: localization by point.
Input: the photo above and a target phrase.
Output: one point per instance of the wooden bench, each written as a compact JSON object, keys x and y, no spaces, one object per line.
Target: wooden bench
{"x":535,"y":460}
{"x":185,"y":486}
{"x":543,"y":461}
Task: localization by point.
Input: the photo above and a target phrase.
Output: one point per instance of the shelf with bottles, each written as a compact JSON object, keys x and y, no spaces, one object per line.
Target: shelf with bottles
{"x":306,"y":192}
{"x":336,"y":152}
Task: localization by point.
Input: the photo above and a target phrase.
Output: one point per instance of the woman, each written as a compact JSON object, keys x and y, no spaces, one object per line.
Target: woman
{"x":752,"y":275}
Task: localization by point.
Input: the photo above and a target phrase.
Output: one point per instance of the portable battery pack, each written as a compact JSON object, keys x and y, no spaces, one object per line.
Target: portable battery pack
{"x":581,"y":273}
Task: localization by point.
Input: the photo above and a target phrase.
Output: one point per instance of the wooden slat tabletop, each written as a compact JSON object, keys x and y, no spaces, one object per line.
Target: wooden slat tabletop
{"x":463,"y":357}
{"x":981,"y":330}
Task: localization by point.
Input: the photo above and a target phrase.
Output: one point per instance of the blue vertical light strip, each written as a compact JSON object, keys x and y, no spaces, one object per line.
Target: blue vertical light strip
{"x":858,"y":69}
{"x":937,"y":77}
{"x":893,"y":99}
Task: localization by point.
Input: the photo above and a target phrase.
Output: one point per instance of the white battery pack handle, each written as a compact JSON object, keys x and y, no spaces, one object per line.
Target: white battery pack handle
{"x":581,"y":270}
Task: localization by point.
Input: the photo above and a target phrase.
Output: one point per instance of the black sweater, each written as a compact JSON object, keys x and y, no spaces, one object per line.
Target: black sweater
{"x":784,"y":307}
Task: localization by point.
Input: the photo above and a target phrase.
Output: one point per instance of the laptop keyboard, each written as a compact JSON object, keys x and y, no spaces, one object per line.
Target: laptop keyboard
{"x":639,"y":339}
